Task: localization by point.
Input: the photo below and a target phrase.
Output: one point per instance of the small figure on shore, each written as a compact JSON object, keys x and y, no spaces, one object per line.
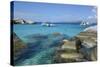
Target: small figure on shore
{"x":78,"y":44}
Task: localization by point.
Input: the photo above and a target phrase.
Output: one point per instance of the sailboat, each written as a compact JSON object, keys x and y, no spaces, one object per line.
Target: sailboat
{"x":84,"y":23}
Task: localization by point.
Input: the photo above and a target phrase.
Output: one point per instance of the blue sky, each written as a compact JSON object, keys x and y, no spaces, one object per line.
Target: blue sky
{"x":47,"y":12}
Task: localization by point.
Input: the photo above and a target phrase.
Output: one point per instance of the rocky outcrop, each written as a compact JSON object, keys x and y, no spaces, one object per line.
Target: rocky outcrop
{"x":22,"y":21}
{"x":18,"y":46}
{"x":87,"y":51}
{"x":89,"y":43}
{"x":68,"y":52}
{"x":91,"y":28}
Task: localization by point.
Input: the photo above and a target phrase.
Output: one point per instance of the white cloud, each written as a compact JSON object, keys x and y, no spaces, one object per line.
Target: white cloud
{"x":89,"y":17}
{"x":94,"y":10}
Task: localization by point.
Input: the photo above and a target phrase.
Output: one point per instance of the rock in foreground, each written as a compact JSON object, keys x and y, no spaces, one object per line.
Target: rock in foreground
{"x":87,"y":52}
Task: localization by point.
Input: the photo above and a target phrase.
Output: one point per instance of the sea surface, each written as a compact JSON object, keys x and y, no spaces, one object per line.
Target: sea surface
{"x":43,"y":41}
{"x":69,"y":29}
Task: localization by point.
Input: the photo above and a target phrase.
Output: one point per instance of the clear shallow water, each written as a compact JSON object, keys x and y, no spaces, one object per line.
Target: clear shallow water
{"x":41,"y":42}
{"x":68,"y":29}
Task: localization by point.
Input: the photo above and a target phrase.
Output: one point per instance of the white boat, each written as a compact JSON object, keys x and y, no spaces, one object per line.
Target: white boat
{"x":52,"y":24}
{"x":84,"y":23}
{"x":48,"y":24}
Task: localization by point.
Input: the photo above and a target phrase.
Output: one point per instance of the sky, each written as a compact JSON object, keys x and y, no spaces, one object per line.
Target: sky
{"x":49,"y":12}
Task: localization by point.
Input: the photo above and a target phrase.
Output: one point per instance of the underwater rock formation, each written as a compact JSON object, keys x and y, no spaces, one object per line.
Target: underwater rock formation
{"x":56,"y":33}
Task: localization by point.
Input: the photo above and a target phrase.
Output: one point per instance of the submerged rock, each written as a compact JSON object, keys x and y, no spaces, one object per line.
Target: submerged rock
{"x":56,"y":34}
{"x":36,"y":37}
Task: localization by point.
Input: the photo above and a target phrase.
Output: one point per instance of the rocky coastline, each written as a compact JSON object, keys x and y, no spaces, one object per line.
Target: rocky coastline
{"x":65,"y":50}
{"x":88,"y":51}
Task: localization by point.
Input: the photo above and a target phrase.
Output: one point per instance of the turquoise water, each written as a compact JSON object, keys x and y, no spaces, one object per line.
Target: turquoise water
{"x":68,"y":29}
{"x":41,"y":41}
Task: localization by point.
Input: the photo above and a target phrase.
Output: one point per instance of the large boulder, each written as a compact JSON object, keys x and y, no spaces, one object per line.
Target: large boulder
{"x":18,"y":46}
{"x":87,"y":52}
{"x":89,"y":43}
